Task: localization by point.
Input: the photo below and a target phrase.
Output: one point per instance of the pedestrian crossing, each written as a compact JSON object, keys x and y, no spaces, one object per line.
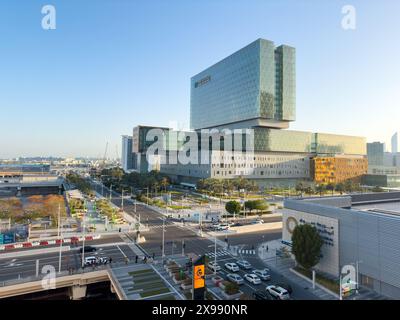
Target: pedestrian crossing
{"x":247,"y":251}
{"x":220,"y":253}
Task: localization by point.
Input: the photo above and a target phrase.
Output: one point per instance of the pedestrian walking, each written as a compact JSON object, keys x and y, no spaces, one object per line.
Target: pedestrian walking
{"x":154,"y":255}
{"x":110,"y":260}
{"x":267,"y":248}
{"x":136,"y":259}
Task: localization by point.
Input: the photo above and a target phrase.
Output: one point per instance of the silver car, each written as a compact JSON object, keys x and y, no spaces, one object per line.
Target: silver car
{"x":244,"y":264}
{"x":235,"y":278}
{"x":262,"y":274}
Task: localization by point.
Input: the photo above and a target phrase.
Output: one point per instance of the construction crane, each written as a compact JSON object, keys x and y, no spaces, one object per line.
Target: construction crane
{"x":104,"y":157}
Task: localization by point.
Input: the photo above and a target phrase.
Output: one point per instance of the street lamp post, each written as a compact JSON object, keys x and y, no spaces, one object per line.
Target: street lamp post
{"x":122,"y":199}
{"x":163,"y":239}
{"x":83,"y":242}
{"x":60,"y":238}
{"x":215,"y":254}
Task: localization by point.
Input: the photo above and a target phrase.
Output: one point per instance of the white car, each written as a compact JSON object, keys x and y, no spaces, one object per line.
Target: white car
{"x":235,"y":278}
{"x":262,"y":274}
{"x":232,"y":266}
{"x":90,"y":261}
{"x":278,"y":292}
{"x":214,"y":266}
{"x":252,"y":278}
{"x":222,"y":227}
{"x":244,"y":264}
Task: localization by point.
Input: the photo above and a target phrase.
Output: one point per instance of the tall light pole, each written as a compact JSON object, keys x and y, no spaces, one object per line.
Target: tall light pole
{"x":83,"y":242}
{"x":163,"y":238}
{"x":215,"y":254}
{"x":60,"y":238}
{"x":122,"y":200}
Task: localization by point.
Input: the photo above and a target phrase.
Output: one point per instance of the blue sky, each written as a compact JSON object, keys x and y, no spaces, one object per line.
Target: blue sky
{"x":113,"y":64}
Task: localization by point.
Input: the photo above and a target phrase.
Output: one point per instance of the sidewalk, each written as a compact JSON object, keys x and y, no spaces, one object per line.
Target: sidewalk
{"x":283,"y":265}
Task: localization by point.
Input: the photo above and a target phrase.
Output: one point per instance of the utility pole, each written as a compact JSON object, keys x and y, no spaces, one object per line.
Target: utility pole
{"x":147,"y":196}
{"x":110,"y":193}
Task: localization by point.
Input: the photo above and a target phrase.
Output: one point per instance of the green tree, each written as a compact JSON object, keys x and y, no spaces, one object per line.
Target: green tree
{"x":320,"y":189}
{"x":306,"y":245}
{"x":300,"y":187}
{"x":233,"y":207}
{"x":339,"y":187}
{"x":330,"y":187}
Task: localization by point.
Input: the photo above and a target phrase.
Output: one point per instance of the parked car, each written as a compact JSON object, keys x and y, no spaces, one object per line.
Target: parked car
{"x":262,"y":295}
{"x":232,"y":266}
{"x":214,"y":266}
{"x":87,"y":249}
{"x":278,"y":292}
{"x":235,"y":278}
{"x":285,"y":286}
{"x":89,"y":261}
{"x":262,"y":274}
{"x":258,"y":221}
{"x":244,"y":264}
{"x":252,"y":278}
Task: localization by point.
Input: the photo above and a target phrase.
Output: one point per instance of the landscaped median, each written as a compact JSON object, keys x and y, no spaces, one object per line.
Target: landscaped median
{"x":329,"y":285}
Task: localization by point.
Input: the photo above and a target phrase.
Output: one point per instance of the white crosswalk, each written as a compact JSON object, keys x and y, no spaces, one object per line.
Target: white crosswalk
{"x":247,"y":251}
{"x":220,"y":253}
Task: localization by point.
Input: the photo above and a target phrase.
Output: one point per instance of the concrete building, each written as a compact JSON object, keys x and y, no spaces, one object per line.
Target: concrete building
{"x":360,"y":229}
{"x":375,"y":153}
{"x":254,"y":89}
{"x":395,"y":142}
{"x":127,"y":154}
{"x":255,"y":86}
{"x":338,"y":168}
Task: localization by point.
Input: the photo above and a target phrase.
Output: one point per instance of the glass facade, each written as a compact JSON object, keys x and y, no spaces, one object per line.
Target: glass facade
{"x":275,"y":140}
{"x":375,"y":152}
{"x":326,"y":143}
{"x":257,"y":81}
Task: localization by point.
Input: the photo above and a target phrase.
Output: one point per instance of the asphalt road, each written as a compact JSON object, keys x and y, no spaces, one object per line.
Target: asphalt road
{"x":175,"y":236}
{"x":25,"y":266}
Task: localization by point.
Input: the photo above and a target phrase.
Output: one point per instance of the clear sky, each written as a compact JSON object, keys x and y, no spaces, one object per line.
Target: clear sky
{"x":113,"y":64}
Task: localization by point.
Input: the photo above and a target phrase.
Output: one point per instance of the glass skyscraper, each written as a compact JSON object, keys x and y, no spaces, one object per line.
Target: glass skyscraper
{"x":255,"y":86}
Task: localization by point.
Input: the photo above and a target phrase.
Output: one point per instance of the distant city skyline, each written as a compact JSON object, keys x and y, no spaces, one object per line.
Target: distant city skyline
{"x":69,"y":91}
